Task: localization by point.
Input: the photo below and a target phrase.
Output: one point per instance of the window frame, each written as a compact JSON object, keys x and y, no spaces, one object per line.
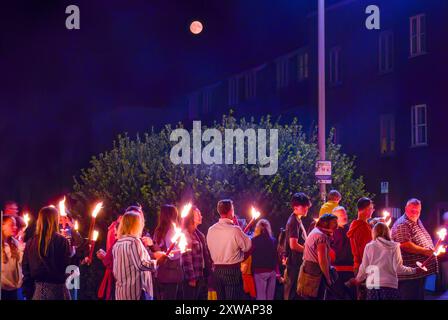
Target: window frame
{"x":387,"y":38}
{"x":415,"y":132}
{"x":335,"y":66}
{"x":420,"y":37}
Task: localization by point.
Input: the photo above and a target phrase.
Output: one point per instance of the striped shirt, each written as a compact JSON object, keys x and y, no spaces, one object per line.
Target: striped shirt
{"x":132,"y":269}
{"x":405,"y":230}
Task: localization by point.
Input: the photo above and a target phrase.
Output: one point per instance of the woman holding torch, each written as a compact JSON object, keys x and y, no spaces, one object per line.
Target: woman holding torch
{"x":169,"y":277}
{"x":132,"y":264}
{"x":196,"y":263}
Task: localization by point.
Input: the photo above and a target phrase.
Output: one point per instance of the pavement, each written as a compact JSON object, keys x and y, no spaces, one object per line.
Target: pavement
{"x":436,"y":296}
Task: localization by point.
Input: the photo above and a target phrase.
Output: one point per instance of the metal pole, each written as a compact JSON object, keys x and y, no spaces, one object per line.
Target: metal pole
{"x":321,"y":80}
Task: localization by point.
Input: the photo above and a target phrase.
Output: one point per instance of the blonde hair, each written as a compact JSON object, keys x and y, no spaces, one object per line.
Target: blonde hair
{"x":381,"y":230}
{"x":47,"y":226}
{"x":263,"y":226}
{"x":131,"y":224}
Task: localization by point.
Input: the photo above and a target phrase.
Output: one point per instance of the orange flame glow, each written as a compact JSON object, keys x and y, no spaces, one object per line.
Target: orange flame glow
{"x":255,"y":213}
{"x":442,"y":234}
{"x":97,"y":209}
{"x":62,"y":211}
{"x":186,"y":210}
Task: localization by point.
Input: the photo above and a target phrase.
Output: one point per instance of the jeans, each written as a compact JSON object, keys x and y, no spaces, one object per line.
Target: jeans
{"x":290,"y":285}
{"x":10,"y":295}
{"x":412,"y":289}
{"x":265,"y":285}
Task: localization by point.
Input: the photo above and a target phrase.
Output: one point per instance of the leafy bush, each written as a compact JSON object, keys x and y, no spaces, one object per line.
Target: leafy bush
{"x":140,"y":170}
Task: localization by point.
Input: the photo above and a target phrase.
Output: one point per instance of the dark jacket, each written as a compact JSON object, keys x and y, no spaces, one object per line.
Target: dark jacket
{"x":341,"y":247}
{"x":49,"y":269}
{"x":264,"y":253}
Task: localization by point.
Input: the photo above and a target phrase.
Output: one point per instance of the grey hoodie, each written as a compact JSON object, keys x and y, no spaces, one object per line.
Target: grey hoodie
{"x":381,"y":264}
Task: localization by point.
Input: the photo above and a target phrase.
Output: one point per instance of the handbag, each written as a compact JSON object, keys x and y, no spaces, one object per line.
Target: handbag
{"x":308,"y":283}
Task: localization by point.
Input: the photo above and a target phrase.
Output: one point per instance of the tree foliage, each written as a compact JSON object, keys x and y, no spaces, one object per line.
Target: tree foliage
{"x":140,"y":170}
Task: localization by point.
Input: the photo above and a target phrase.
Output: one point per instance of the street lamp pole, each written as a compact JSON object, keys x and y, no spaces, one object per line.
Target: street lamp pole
{"x":321,"y":81}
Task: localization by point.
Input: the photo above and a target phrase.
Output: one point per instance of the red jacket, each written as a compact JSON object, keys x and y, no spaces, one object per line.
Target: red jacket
{"x":360,"y":234}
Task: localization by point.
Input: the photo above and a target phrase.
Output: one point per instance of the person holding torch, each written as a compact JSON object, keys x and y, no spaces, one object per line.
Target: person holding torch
{"x":416,"y":246}
{"x":227,"y":244}
{"x":169,"y":276}
{"x":132,"y":264}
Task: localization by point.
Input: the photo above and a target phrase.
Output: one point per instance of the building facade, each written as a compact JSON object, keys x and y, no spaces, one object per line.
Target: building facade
{"x":385,"y":95}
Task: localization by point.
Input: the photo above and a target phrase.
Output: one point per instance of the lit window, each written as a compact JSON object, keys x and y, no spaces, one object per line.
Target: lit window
{"x":419,"y":124}
{"x":387,"y":134}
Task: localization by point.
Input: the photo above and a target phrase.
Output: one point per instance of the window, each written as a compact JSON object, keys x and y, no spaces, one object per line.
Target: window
{"x":251,"y":84}
{"x":282,"y":73}
{"x":302,"y":62}
{"x":386,"y":52}
{"x":419,"y":126}
{"x":387,"y":134}
{"x":233,"y":91}
{"x":206,"y":101}
{"x":417,"y":26}
{"x":193,"y":105}
{"x":335,"y":66}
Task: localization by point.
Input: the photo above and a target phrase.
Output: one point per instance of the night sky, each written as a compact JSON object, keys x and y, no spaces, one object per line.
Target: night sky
{"x":127,"y":53}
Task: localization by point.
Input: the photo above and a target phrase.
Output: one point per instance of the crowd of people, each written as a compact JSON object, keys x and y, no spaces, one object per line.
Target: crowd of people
{"x":331,"y":259}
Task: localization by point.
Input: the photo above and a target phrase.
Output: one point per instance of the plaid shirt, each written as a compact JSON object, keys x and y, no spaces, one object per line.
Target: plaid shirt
{"x":196,"y":263}
{"x":405,"y":230}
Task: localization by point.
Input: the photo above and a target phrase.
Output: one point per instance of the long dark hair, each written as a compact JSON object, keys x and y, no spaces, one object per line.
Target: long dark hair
{"x":46,"y":227}
{"x":168,"y":215}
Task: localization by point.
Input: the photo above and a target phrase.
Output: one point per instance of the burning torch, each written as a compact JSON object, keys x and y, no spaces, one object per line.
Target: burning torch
{"x":95,"y":211}
{"x":255,"y":215}
{"x":92,"y":245}
{"x":439,"y":248}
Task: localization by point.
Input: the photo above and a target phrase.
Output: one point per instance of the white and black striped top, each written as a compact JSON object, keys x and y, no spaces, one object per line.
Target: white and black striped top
{"x":132,"y":269}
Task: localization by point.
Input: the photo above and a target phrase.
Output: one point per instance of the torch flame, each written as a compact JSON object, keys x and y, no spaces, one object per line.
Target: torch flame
{"x":441,"y":249}
{"x":442,"y":234}
{"x":95,"y":235}
{"x":179,"y":237}
{"x":316,"y":219}
{"x":182,"y":243}
{"x":97,"y":209}
{"x":62,"y":211}
{"x":26,"y":218}
{"x":177,"y":233}
{"x":186,"y":210}
{"x":386,"y":217}
{"x":255,"y":213}
{"x":76,"y":226}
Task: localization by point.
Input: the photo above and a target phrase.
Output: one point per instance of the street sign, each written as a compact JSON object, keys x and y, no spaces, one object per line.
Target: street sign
{"x":323,"y":172}
{"x":384,"y":187}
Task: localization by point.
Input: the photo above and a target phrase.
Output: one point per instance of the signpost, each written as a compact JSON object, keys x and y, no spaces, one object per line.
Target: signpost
{"x":323,"y":172}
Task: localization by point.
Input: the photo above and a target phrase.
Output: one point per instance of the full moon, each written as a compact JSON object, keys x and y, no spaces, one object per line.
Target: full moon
{"x":196,"y":27}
